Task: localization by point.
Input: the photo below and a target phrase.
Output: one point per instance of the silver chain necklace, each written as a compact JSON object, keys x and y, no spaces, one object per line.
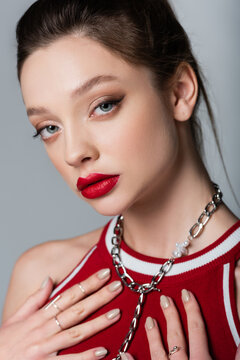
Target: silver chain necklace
{"x":144,"y":289}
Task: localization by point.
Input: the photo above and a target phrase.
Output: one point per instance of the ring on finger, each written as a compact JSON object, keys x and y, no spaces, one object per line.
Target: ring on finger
{"x":53,"y":303}
{"x":173,"y":351}
{"x":81,"y":288}
{"x":58,"y":323}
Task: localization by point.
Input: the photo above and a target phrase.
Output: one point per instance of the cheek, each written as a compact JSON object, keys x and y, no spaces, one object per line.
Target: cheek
{"x":57,"y":158}
{"x":151,"y":140}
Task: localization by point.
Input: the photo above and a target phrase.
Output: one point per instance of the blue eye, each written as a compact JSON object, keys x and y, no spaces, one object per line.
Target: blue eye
{"x":107,"y":106}
{"x":51,"y":129}
{"x":47,"y":131}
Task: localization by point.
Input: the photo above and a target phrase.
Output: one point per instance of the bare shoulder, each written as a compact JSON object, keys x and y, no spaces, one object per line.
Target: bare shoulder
{"x":237,"y":283}
{"x":53,"y":258}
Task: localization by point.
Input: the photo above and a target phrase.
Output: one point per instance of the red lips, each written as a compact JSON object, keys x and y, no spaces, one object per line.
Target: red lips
{"x":95,"y":185}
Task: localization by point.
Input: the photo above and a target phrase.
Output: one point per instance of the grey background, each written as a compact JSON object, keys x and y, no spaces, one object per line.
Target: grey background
{"x":36,"y":205}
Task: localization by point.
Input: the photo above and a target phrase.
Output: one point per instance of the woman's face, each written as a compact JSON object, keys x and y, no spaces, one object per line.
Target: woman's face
{"x":116,"y":123}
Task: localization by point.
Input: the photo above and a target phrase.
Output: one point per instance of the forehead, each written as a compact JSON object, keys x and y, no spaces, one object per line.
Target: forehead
{"x":69,"y":61}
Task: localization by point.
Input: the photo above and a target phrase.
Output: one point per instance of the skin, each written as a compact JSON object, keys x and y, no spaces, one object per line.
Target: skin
{"x":163,"y":166}
{"x":37,"y":332}
{"x":198,"y":348}
{"x":145,"y":138}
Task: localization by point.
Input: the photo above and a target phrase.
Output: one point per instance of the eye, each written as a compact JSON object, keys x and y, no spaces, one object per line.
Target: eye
{"x":107,"y":106}
{"x":47,"y":132}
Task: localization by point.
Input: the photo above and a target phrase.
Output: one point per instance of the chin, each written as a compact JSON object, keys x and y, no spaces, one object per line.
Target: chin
{"x":109,"y":207}
{"x":107,"y":210}
{"x":111,"y":204}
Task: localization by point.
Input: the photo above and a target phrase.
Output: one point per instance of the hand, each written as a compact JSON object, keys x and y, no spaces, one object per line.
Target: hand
{"x":35,"y":332}
{"x":198,"y":344}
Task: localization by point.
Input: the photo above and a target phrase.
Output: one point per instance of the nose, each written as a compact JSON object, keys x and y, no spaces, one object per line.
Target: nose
{"x":79,"y":146}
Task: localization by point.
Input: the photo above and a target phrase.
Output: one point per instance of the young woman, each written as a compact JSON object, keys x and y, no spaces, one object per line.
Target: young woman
{"x":112,"y":88}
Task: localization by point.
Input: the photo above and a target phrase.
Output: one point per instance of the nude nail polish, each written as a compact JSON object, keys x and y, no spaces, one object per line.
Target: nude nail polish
{"x":149,"y":323}
{"x":113,"y":313}
{"x":124,"y":356}
{"x":185,"y":295}
{"x":114,"y":286}
{"x":103,"y":274}
{"x":44,"y":283}
{"x":101,"y":352}
{"x":164,"y":301}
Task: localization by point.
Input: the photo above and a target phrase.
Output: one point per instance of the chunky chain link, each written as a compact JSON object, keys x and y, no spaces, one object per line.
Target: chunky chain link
{"x":197,"y":228}
{"x":144,"y":289}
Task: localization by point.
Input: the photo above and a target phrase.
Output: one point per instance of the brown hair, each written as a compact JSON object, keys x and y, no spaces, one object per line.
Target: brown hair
{"x":144,"y":32}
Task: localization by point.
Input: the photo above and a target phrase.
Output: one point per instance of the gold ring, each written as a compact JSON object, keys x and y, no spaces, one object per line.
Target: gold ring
{"x":82,"y":288}
{"x":58,"y":323}
{"x":173,"y":351}
{"x":53,"y":303}
{"x":56,"y":307}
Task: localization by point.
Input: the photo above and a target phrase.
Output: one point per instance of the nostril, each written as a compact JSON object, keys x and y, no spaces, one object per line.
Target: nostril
{"x":86,"y":159}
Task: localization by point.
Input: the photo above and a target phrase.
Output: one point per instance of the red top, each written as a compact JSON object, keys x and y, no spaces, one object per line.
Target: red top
{"x":209,"y":274}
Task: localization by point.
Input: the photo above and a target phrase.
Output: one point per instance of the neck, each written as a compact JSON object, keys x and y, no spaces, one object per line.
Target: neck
{"x":153,"y":226}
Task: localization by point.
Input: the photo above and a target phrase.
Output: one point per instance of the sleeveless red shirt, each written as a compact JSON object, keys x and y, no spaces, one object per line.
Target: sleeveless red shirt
{"x":209,"y":274}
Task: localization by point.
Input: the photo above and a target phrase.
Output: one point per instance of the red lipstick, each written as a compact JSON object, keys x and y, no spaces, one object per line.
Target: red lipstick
{"x":96,"y":185}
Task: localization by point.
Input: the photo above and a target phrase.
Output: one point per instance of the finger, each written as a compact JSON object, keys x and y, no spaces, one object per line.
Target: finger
{"x":78,"y":312}
{"x":79,"y":333}
{"x":156,"y":347}
{"x":75,"y":294}
{"x":175,"y":336}
{"x":198,"y":343}
{"x":33,"y":303}
{"x":93,"y":354}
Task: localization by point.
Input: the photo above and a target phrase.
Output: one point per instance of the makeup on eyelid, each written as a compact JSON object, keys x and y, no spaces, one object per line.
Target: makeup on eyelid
{"x":114,"y":102}
{"x":127,"y":140}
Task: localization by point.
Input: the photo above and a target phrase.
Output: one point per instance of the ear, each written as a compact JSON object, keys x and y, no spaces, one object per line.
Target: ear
{"x":184,"y":92}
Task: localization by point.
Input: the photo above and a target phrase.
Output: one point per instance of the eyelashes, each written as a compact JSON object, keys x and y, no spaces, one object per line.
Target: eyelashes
{"x":49,"y":130}
{"x":37,"y":133}
{"x":113,"y":102}
{"x":49,"y":127}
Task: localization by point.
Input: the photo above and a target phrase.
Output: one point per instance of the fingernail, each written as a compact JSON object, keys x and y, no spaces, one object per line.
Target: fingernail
{"x":185,"y":295}
{"x":44,"y":283}
{"x":114,"y":286}
{"x":164,"y":301}
{"x":103,"y":274}
{"x":124,"y":356}
{"x":101,"y":352}
{"x":112,"y":314}
{"x":149,"y":323}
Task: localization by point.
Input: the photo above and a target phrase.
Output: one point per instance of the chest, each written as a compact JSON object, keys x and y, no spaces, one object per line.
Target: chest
{"x":213,"y":288}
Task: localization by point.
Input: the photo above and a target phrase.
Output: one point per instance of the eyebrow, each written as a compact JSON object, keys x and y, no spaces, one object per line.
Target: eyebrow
{"x":80,"y":90}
